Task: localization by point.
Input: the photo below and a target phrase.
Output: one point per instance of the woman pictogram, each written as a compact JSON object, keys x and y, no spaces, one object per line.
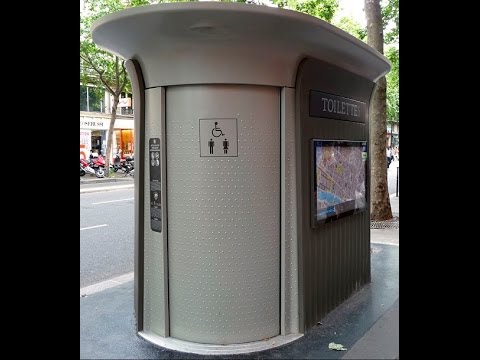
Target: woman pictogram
{"x":225,"y":146}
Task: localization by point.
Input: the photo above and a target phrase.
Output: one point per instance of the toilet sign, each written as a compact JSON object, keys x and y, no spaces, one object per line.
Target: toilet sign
{"x":218,"y":137}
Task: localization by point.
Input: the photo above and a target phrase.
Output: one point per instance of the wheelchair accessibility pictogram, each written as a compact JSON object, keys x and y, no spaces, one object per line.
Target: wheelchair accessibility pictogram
{"x":218,"y":137}
{"x":216,"y":131}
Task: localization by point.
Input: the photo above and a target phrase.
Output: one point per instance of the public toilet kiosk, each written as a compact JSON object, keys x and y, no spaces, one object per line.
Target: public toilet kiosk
{"x":252,"y":170}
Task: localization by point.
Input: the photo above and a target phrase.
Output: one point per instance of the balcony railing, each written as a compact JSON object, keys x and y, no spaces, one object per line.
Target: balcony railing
{"x":126,"y":111}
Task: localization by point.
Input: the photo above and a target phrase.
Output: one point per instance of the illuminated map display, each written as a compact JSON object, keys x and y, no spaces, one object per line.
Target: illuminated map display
{"x":339,"y":178}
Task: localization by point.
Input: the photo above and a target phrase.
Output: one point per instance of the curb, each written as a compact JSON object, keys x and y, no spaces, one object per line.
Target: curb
{"x":105,"y":180}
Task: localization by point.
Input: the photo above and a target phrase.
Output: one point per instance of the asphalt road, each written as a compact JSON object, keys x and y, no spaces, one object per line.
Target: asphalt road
{"x":106,"y":235}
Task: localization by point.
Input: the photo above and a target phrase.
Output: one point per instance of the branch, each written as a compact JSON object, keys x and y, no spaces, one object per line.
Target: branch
{"x":117,"y":76}
{"x":124,"y":73}
{"x":85,"y":57}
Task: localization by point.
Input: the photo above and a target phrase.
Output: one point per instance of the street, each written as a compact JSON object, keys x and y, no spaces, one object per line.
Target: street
{"x":106,"y":235}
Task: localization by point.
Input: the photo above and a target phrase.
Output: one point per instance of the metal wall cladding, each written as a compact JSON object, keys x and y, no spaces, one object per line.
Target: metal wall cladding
{"x":155,"y":273}
{"x":223,"y":216}
{"x":289,"y":245}
{"x":335,"y":256}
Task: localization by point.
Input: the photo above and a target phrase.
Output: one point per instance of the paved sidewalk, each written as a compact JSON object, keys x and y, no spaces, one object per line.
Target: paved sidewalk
{"x":384,"y":332}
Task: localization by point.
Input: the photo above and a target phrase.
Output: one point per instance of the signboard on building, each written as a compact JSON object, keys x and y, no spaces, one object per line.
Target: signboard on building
{"x":85,"y":143}
{"x":125,"y":102}
{"x":93,"y":123}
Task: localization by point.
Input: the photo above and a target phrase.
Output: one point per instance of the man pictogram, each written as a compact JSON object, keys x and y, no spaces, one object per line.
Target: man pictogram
{"x":211,"y":143}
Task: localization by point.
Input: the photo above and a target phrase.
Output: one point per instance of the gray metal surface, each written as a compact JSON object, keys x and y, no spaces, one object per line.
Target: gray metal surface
{"x":289,"y":251}
{"x":335,"y":257}
{"x":212,"y":42}
{"x":138,"y":88}
{"x":156,"y":284}
{"x":224,"y":226}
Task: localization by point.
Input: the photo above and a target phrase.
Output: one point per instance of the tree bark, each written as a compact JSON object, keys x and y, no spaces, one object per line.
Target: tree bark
{"x":116,"y":98}
{"x":380,"y":208}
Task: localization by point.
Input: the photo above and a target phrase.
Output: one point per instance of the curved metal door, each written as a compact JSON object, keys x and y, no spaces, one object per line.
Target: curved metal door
{"x":223,"y":208}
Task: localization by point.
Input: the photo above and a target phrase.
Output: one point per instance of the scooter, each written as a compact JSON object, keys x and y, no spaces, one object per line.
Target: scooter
{"x":85,"y":168}
{"x":117,"y":163}
{"x":129,"y":165}
{"x":98,"y":165}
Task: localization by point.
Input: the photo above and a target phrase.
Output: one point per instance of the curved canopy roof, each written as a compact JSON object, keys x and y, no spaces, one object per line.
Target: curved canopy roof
{"x":214,"y":42}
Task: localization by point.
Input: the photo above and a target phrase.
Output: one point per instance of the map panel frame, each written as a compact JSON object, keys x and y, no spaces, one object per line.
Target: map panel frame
{"x":339,"y":179}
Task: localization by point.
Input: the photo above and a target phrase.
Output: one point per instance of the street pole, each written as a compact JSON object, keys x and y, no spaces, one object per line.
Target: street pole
{"x":396,"y":195}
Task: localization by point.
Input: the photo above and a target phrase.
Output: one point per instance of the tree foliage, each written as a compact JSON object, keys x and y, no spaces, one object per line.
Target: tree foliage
{"x":393,"y":99}
{"x":391,"y":22}
{"x":352,"y":27}
{"x":391,"y":28}
{"x":322,"y":9}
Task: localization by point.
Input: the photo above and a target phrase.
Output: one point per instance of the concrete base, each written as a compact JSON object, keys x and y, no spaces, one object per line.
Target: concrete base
{"x":209,"y":349}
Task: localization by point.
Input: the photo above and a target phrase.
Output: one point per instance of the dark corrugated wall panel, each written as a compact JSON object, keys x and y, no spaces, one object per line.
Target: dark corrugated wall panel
{"x":334,"y":258}
{"x":336,"y":264}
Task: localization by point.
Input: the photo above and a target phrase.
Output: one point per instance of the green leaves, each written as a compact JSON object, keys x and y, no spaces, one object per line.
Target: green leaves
{"x":323,"y":9}
{"x":98,"y":67}
{"x":352,"y":27}
{"x":393,"y":98}
{"x":391,"y":21}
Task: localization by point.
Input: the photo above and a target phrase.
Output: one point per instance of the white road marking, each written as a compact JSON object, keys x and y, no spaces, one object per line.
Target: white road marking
{"x":93,"y":227}
{"x":384,"y":243}
{"x":111,"y":201}
{"x":107,"y":284}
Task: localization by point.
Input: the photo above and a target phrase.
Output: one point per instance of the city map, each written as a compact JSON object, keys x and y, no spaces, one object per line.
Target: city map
{"x":340,"y":177}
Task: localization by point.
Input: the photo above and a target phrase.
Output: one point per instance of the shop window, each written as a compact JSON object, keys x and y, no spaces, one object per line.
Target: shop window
{"x":124,"y":142}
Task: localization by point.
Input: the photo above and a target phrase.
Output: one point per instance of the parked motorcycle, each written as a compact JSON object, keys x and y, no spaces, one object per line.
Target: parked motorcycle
{"x":116,"y":164}
{"x":86,"y":168}
{"x":98,"y":164}
{"x":126,"y":166}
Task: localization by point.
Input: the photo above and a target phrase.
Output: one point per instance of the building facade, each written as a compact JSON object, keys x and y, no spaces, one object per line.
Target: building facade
{"x":95,"y":114}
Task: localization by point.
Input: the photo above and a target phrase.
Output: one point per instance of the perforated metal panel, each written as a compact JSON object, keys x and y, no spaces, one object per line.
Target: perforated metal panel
{"x":223,"y":216}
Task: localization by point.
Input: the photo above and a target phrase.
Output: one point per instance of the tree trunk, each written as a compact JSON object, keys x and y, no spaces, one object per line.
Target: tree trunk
{"x":116,"y":98}
{"x":380,"y":208}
